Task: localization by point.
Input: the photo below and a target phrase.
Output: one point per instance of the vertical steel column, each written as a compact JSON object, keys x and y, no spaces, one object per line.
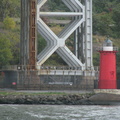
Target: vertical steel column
{"x":81,"y":44}
{"x":24,"y":37}
{"x":81,"y":39}
{"x":32,"y":34}
{"x":28,"y":34}
{"x":88,"y":35}
{"x":79,"y":36}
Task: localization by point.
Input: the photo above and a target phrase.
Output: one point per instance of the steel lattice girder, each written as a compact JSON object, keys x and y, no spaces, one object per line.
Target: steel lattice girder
{"x":81,"y":15}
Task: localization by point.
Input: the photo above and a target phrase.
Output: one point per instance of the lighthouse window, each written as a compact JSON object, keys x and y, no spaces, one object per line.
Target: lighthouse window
{"x":107,"y":43}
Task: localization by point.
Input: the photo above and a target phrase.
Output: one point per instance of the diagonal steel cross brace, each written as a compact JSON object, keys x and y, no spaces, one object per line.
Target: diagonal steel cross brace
{"x":57,"y":43}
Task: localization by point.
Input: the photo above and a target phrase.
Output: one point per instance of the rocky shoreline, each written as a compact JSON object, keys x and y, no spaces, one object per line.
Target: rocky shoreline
{"x":69,"y":99}
{"x":44,"y":99}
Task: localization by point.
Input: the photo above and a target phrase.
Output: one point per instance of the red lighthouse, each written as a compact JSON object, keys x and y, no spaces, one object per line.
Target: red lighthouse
{"x":107,"y":74}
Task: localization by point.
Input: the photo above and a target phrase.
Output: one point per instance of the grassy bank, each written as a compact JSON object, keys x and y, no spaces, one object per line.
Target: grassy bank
{"x":12,"y":92}
{"x":31,"y":93}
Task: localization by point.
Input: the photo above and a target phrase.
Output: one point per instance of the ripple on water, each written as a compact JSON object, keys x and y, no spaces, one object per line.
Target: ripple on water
{"x":59,"y":112}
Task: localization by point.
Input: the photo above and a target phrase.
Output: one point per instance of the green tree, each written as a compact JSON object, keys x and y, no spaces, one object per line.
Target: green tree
{"x":14,"y":38}
{"x":41,"y":43}
{"x":9,"y":23}
{"x":5,"y":51}
{"x":96,"y":59}
{"x":116,"y":18}
{"x":106,"y":17}
{"x":103,"y":23}
{"x":56,"y":5}
{"x":9,"y":8}
{"x":99,"y":6}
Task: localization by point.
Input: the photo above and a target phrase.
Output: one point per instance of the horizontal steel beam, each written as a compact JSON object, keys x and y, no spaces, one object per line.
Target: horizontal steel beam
{"x":66,"y":72}
{"x":60,"y":13}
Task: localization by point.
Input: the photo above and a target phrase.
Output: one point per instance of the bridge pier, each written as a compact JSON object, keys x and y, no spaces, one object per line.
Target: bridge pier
{"x":29,"y":75}
{"x":32,"y":80}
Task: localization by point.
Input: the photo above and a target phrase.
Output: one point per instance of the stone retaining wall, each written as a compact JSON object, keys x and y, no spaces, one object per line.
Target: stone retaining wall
{"x":45,"y":99}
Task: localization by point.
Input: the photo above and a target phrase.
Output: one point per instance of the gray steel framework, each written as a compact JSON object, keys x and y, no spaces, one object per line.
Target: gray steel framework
{"x":81,"y":26}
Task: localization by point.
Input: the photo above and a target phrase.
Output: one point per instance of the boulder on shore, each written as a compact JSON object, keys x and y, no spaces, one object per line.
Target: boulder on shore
{"x":105,"y":98}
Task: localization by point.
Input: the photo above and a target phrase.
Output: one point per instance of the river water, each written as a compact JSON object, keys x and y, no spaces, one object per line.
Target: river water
{"x":59,"y":112}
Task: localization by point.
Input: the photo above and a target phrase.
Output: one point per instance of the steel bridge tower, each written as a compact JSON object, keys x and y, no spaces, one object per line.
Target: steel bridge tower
{"x":80,"y":25}
{"x":30,"y":74}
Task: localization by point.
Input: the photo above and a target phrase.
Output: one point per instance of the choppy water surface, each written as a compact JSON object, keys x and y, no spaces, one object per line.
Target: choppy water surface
{"x":55,"y":112}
